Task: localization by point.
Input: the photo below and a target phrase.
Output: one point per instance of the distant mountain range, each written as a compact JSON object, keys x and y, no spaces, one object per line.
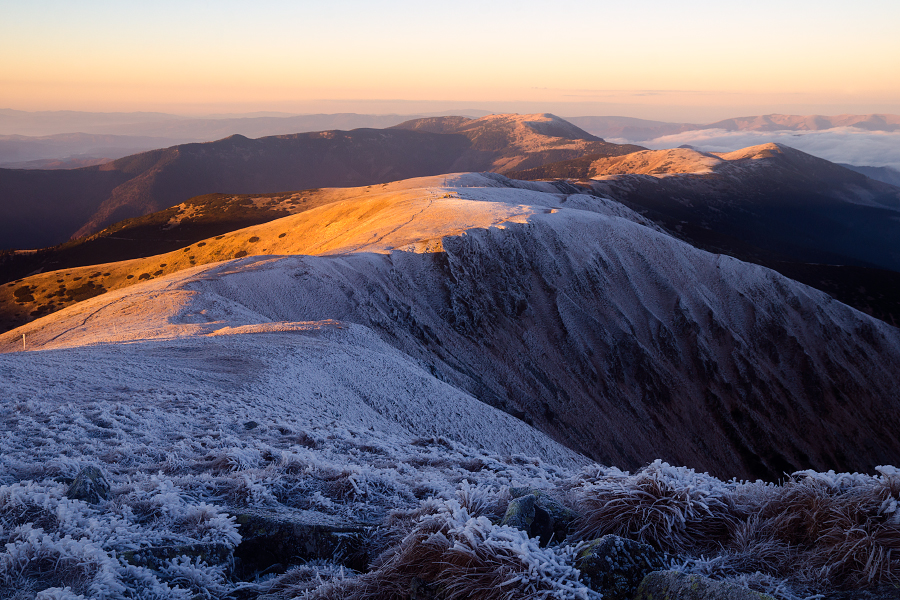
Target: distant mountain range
{"x":812,"y":220}
{"x":768,"y":205}
{"x":772,"y":197}
{"x":68,"y":150}
{"x":43,"y":208}
{"x":208,"y":128}
{"x":636,"y":130}
{"x":885,"y":174}
{"x":71,"y":139}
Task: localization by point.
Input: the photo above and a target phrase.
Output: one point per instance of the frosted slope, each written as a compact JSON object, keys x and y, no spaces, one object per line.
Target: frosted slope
{"x":657,"y":163}
{"x":612,"y":337}
{"x":295,"y":374}
{"x":413,"y":215}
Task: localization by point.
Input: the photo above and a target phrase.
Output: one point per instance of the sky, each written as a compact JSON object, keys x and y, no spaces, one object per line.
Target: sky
{"x":694,"y":60}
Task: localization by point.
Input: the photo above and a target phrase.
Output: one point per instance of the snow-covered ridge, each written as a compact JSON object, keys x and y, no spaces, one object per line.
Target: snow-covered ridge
{"x":411,"y":214}
{"x":565,"y":310}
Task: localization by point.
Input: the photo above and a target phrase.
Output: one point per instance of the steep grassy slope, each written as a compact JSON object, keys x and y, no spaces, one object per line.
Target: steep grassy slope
{"x":343,"y":219}
{"x":776,"y":198}
{"x":43,"y":208}
{"x":160,"y":232}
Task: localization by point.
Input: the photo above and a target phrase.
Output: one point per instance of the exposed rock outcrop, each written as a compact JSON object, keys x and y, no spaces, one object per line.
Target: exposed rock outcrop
{"x":90,"y":485}
{"x":616,"y":566}
{"x":539,"y":515}
{"x":289,"y":537}
{"x":674,"y":585}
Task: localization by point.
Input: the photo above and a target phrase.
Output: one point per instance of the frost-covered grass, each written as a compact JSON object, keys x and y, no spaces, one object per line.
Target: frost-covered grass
{"x":175,"y":493}
{"x":812,"y":533}
{"x":468,"y":557}
{"x":185,"y":448}
{"x":55,"y":545}
{"x":438,"y":505}
{"x":264,"y":385}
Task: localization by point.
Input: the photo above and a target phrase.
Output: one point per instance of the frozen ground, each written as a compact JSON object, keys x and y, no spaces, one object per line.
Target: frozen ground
{"x":352,"y":385}
{"x":566,"y":310}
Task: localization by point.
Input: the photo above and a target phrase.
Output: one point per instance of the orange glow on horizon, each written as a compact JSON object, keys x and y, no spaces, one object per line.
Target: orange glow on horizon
{"x":287,"y":56}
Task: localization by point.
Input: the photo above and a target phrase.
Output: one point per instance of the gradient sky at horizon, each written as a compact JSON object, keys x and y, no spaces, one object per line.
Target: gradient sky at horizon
{"x":652,"y":59}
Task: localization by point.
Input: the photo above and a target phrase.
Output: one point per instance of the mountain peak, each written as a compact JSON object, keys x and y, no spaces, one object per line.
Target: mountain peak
{"x":511,"y":124}
{"x":767,"y":150}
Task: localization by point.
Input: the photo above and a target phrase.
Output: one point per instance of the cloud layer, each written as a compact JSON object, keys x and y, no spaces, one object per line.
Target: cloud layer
{"x":841,"y":144}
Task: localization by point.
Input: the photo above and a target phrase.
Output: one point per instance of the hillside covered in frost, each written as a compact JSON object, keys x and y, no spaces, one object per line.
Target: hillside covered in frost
{"x":455,"y":387}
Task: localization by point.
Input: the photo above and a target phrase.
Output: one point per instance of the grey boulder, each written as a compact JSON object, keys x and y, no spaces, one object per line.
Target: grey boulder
{"x":616,"y":566}
{"x":675,"y":585}
{"x":90,"y":486}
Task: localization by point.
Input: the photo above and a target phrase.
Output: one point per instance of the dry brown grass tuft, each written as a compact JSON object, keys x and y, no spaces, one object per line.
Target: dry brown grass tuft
{"x":676,"y":510}
{"x":846,"y":528}
{"x":816,"y":530}
{"x":460,"y":557}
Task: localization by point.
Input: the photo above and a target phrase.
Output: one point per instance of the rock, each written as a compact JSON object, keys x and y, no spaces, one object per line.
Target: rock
{"x":290,"y":537}
{"x":675,"y":585}
{"x":155,"y":557}
{"x":616,"y":566}
{"x":523,"y":513}
{"x":90,"y":486}
{"x":251,"y":425}
{"x":539,"y":515}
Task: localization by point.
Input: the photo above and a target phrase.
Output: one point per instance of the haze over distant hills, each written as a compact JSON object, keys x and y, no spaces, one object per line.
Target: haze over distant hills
{"x":34,"y":140}
{"x":860,"y":140}
{"x":74,"y":150}
{"x":636,"y":130}
{"x":208,"y":128}
{"x":884,"y":174}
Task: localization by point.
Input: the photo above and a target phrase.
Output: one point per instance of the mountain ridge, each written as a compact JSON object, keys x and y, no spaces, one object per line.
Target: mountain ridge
{"x":155,"y":180}
{"x":566,"y":310}
{"x":637,"y":130}
{"x":771,"y":196}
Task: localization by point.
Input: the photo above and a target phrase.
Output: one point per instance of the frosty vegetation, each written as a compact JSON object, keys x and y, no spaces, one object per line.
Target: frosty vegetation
{"x":232,"y":390}
{"x":432,"y":507}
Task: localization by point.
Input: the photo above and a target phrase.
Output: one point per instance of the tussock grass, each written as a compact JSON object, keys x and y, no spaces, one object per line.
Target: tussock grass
{"x":815,"y":531}
{"x":463,"y":557}
{"x":673,"y":509}
{"x":434,"y":507}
